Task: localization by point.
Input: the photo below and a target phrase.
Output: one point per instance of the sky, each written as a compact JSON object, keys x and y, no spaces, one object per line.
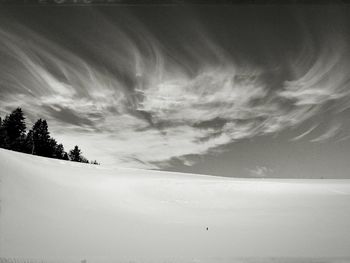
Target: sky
{"x":227,"y":90}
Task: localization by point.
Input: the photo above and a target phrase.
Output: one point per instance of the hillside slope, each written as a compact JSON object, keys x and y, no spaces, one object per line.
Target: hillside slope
{"x":58,"y":209}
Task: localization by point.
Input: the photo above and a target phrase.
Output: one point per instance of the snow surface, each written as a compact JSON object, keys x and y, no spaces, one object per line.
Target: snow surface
{"x":54,"y":209}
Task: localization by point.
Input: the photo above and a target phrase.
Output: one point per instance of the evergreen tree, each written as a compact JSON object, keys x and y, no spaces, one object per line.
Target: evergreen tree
{"x":51,"y":148}
{"x":75,"y":154}
{"x":13,"y":131}
{"x":29,"y":143}
{"x":2,"y":134}
{"x":42,"y":143}
{"x":37,"y":141}
{"x":60,"y":153}
{"x":65,"y":156}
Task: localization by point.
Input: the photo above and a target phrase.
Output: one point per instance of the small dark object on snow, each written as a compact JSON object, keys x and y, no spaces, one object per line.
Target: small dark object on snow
{"x":207,"y":228}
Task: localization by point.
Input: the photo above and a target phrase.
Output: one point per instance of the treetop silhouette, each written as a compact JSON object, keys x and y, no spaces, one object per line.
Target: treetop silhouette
{"x":37,"y":141}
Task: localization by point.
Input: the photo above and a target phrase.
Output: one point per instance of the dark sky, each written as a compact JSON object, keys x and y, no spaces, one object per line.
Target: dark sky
{"x":232,"y":90}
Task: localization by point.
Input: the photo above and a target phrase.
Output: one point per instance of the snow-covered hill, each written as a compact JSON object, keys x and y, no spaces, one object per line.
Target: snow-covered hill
{"x":65,"y":210}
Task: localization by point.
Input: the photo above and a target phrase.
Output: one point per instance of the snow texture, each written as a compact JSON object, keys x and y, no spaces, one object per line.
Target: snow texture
{"x":59,"y":210}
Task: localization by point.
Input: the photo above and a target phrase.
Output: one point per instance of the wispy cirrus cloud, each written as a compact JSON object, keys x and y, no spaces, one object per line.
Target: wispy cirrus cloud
{"x":300,"y":136}
{"x":140,"y":106}
{"x":330,"y":133}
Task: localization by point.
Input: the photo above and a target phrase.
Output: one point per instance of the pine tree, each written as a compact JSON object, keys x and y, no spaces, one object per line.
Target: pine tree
{"x":37,"y":141}
{"x":4,"y":142}
{"x":2,"y":134}
{"x":60,"y":153}
{"x":51,"y":148}
{"x":75,"y":155}
{"x":65,"y":156}
{"x":29,"y":143}
{"x":13,"y":131}
{"x":42,"y":143}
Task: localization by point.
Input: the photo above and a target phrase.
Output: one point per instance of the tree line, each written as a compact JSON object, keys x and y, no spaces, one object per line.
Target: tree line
{"x":36,"y":141}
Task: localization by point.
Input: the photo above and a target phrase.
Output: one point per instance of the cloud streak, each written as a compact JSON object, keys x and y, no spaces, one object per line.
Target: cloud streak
{"x":140,"y":106}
